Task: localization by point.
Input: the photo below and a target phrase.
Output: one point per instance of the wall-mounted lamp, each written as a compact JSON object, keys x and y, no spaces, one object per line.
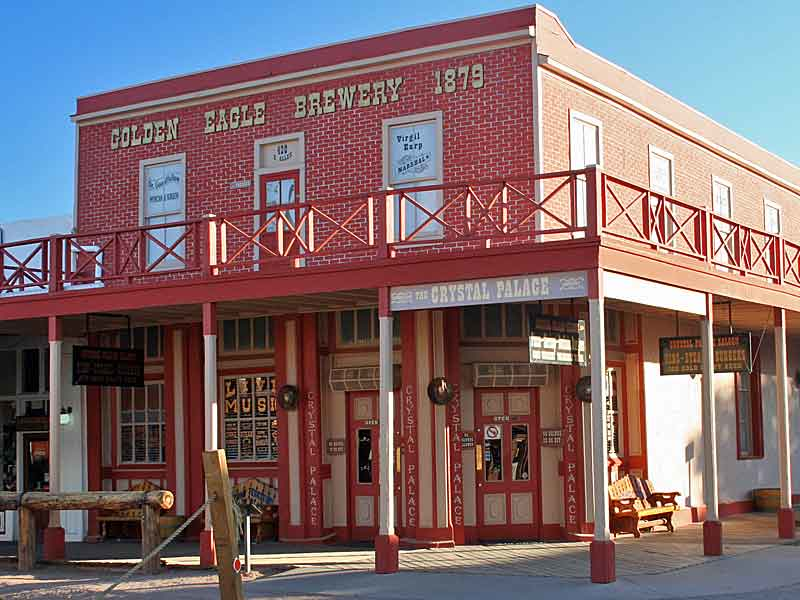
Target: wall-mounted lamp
{"x":66,"y":415}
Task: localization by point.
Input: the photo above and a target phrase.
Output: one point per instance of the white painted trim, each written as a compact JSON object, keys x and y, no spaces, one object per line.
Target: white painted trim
{"x":538,"y":133}
{"x":656,"y":151}
{"x":298,"y":78}
{"x":636,"y":107}
{"x":650,"y":293}
{"x":299,"y":165}
{"x":574,"y":115}
{"x":769,"y":203}
{"x":149,"y":162}
{"x":725,"y":183}
{"x":76,"y":175}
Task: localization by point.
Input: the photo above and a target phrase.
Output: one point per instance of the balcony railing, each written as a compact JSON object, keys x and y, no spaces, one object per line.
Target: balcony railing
{"x":422,"y":221}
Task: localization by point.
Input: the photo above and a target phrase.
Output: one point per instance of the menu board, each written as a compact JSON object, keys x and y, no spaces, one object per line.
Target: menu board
{"x":250,"y":408}
{"x":557,"y":341}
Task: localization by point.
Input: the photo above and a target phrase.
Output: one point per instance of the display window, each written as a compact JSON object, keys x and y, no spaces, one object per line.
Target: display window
{"x":250,"y":418}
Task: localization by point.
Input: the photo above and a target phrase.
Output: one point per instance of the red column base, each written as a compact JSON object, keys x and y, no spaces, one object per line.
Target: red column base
{"x":786,"y":523}
{"x":208,"y":551}
{"x":602,"y":556}
{"x":387,"y":554}
{"x":54,"y":544}
{"x":712,"y":538}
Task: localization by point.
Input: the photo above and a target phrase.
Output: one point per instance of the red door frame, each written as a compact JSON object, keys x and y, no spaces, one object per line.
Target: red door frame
{"x":362,"y":533}
{"x":509,"y":531}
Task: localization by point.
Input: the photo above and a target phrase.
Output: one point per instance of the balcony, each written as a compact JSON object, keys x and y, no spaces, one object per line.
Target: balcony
{"x":405,"y":227}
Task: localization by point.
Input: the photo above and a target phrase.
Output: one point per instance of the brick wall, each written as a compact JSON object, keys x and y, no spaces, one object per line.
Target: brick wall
{"x":486,"y":133}
{"x":625,"y":154}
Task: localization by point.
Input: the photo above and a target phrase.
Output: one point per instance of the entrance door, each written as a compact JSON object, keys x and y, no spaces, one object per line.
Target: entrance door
{"x":281,"y":189}
{"x":363,"y":465}
{"x":36,"y":469}
{"x":509,"y":496}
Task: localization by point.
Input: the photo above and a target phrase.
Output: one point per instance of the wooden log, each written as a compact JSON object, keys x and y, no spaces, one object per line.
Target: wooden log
{"x":151,"y":538}
{"x":226,"y":534}
{"x":26,"y":544}
{"x":9,"y":500}
{"x":162,"y":499}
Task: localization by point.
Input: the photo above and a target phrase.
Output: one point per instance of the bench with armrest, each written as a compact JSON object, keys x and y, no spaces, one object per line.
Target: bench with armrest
{"x":262,"y":497}
{"x":633,"y":501}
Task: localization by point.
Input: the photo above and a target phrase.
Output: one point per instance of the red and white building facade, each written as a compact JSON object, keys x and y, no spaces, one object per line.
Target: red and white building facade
{"x":359,"y":219}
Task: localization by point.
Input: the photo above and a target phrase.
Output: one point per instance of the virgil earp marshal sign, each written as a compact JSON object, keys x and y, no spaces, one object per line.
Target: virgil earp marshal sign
{"x":550,"y":286}
{"x":684,"y":355}
{"x":107,"y":366}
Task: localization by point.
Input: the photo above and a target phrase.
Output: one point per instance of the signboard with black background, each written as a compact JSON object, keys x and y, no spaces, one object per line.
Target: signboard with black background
{"x":114,"y":367}
{"x":684,"y":355}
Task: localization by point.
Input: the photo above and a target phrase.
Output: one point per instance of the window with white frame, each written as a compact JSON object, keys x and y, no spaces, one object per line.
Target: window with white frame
{"x":722,"y":203}
{"x":585,"y":149}
{"x":163,"y":201}
{"x":142,"y":425}
{"x":772,"y":217}
{"x":413,"y":157}
{"x":662,"y":181}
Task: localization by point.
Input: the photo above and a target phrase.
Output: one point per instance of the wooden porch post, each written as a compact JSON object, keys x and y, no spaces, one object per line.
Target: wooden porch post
{"x":386,"y":543}
{"x":603,"y":555}
{"x":54,"y":534}
{"x":208,"y":555}
{"x":712,"y":528}
{"x":785,"y":513}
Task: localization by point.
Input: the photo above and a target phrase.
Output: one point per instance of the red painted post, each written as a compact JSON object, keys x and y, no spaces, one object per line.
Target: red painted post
{"x":54,"y":262}
{"x":595,"y":201}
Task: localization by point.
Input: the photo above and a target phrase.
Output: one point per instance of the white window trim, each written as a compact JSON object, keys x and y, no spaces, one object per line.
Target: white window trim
{"x":169,"y":261}
{"x":574,"y":116}
{"x":437,"y":117}
{"x":769,"y":203}
{"x":298,"y":165}
{"x":656,"y":151}
{"x":719,"y":180}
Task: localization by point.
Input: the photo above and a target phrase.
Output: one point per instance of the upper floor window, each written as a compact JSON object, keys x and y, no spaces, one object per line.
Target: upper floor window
{"x":413,"y":157}
{"x":724,"y":244}
{"x":247,"y":335}
{"x":163,"y":201}
{"x":662,"y":172}
{"x":585,"y":149}
{"x":360,"y":326}
{"x":772,"y":217}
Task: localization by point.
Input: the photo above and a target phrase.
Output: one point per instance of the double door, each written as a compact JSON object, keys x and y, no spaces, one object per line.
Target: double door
{"x":508,"y":478}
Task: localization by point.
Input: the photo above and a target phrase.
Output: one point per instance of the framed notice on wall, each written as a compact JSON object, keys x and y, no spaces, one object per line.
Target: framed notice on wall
{"x":250,"y":430}
{"x":413,"y":152}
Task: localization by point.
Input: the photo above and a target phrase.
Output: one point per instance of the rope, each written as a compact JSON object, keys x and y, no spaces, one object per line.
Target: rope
{"x":158,"y":549}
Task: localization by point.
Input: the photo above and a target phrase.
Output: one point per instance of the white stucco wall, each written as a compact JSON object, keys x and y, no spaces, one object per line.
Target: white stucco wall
{"x":673,"y":417}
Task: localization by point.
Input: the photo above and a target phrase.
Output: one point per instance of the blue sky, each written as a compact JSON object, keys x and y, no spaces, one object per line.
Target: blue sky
{"x":719,"y":56}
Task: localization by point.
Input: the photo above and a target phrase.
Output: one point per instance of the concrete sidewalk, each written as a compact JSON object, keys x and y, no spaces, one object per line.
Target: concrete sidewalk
{"x":768,"y":574}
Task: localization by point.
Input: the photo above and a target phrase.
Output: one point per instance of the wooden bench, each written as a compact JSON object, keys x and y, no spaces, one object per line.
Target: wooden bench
{"x":167,"y":524}
{"x":632,"y":501}
{"x":262,"y":496}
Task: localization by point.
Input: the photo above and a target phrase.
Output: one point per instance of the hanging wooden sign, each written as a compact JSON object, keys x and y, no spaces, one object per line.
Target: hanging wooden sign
{"x":112,"y":367}
{"x":684,"y":355}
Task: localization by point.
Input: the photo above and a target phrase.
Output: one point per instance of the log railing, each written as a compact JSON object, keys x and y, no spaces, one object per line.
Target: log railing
{"x":151,"y":503}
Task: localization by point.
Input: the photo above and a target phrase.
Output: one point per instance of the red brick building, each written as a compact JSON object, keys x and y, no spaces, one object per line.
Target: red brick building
{"x":359,"y":220}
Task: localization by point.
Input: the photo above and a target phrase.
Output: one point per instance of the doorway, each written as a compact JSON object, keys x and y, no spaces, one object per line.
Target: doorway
{"x":507,"y":464}
{"x":36,"y":469}
{"x":363,"y":464}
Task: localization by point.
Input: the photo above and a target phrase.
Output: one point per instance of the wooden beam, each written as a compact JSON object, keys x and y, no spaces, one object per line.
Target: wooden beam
{"x":226,"y":535}
{"x":151,"y":538}
{"x":26,"y":545}
{"x":161,"y":499}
